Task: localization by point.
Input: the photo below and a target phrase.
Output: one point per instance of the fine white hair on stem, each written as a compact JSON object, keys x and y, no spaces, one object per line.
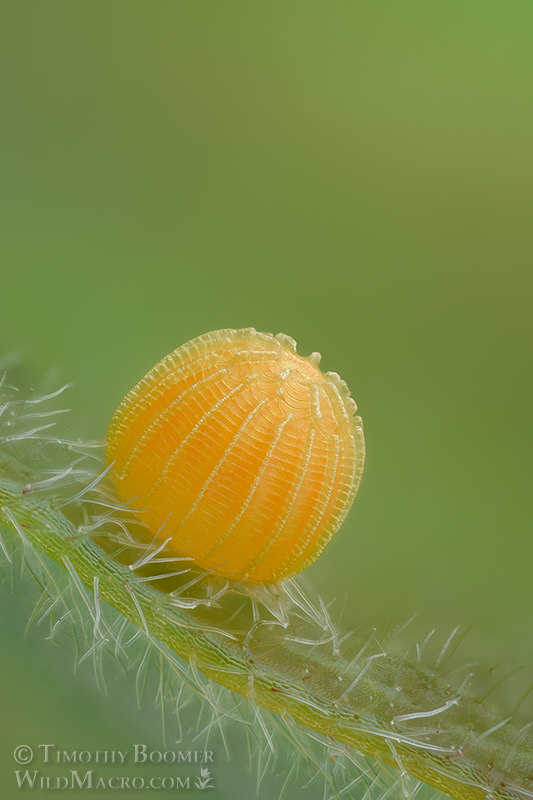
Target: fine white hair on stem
{"x":271,"y":661}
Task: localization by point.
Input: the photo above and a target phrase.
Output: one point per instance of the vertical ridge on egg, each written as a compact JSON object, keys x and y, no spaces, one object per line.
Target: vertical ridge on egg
{"x":240,"y":451}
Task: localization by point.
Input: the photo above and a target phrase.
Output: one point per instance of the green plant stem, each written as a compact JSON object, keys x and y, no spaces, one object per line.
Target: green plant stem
{"x":466,"y":753}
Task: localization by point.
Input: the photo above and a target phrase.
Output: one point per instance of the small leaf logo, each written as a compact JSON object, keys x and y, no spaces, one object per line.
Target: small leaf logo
{"x":204,"y":780}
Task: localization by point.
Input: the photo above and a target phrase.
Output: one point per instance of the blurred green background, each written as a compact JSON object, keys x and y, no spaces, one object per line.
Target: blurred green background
{"x":357,"y":175}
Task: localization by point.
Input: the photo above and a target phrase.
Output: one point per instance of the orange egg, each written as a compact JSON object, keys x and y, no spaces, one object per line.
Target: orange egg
{"x":242,"y":452}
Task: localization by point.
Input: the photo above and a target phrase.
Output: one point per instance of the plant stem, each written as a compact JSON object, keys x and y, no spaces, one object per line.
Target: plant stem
{"x":380,"y":705}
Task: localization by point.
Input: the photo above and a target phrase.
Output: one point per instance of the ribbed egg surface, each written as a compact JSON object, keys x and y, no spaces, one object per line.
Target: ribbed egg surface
{"x":240,"y":451}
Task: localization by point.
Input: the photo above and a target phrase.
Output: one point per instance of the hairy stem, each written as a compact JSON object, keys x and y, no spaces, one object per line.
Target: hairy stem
{"x":371,"y":701}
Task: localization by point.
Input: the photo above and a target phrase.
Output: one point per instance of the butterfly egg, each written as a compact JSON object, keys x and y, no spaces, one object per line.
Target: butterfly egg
{"x":240,"y":452}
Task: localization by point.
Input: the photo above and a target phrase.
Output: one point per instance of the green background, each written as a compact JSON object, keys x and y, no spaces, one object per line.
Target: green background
{"x":357,"y":175}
